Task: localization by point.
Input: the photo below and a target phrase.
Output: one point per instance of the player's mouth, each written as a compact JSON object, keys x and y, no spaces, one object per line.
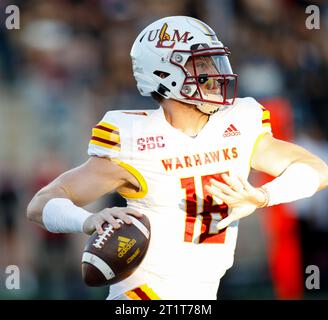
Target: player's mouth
{"x":212,"y":86}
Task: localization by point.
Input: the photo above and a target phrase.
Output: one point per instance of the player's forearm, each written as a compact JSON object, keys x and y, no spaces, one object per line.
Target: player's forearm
{"x":41,"y":198}
{"x":296,"y":169}
{"x":301,"y":179}
{"x":320,"y":167}
{"x":52,"y":209}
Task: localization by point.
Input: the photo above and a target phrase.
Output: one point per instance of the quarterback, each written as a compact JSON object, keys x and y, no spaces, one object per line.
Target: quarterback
{"x":185,"y":165}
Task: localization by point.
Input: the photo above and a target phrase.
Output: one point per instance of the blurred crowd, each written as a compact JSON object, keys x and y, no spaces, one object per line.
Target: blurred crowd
{"x":69,"y":63}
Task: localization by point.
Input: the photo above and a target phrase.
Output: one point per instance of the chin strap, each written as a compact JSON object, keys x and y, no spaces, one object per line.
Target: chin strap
{"x":205,"y":107}
{"x":208,"y":108}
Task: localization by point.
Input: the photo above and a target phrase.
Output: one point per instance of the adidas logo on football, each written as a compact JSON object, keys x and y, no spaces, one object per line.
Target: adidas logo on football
{"x":124,"y":245}
{"x":231,"y":131}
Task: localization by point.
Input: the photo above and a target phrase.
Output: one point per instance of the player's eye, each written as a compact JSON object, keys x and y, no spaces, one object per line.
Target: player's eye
{"x":200,"y":66}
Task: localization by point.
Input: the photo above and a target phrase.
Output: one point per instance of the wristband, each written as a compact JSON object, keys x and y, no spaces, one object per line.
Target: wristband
{"x":298,"y":181}
{"x":61,"y":215}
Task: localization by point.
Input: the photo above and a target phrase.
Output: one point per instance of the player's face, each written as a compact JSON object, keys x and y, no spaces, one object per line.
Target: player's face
{"x":202,"y":67}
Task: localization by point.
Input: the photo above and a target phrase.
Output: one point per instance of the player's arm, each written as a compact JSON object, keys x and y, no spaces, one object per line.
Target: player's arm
{"x":274,"y":156}
{"x":57,"y":206}
{"x":299,"y":174}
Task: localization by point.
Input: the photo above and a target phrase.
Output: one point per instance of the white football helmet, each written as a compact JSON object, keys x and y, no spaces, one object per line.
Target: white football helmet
{"x":181,"y":58}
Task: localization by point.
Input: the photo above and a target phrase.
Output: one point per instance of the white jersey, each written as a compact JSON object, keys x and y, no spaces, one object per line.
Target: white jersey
{"x":173,"y":170}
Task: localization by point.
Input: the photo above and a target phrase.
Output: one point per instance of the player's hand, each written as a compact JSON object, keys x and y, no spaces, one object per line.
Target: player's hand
{"x":238,"y":194}
{"x":95,"y":221}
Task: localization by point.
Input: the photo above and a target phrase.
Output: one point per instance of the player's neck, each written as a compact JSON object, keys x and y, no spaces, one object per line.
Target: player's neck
{"x":184,"y":117}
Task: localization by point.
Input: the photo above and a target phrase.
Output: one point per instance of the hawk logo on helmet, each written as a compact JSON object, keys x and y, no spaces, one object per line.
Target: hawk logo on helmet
{"x":164,"y":36}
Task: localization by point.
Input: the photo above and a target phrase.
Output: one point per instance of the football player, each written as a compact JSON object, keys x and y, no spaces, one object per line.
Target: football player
{"x":185,"y":165}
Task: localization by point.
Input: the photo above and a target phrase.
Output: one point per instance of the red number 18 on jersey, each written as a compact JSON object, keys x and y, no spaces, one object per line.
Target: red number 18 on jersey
{"x":210,"y":213}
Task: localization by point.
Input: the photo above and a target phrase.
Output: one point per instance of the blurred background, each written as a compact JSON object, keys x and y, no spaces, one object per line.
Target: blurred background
{"x":69,"y":63}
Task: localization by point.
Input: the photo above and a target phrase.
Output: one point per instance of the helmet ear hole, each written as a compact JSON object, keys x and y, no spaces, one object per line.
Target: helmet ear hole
{"x":161,"y":74}
{"x":162,"y":90}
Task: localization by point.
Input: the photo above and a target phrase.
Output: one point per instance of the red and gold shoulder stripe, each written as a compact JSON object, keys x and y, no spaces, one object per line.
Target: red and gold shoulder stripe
{"x":265,"y":117}
{"x":106,"y":135}
{"x":143,"y":292}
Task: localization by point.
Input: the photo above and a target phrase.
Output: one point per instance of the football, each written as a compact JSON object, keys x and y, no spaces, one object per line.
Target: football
{"x":114,"y":255}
